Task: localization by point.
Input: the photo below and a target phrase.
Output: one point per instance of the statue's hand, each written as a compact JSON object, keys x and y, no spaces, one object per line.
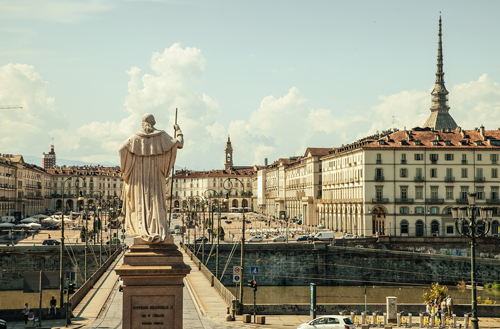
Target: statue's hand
{"x":177,"y":128}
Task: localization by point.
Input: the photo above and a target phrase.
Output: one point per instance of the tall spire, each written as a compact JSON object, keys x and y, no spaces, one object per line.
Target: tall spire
{"x":440,"y":117}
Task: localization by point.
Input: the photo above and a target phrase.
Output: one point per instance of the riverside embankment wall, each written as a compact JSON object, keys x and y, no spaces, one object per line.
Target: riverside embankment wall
{"x":301,"y":264}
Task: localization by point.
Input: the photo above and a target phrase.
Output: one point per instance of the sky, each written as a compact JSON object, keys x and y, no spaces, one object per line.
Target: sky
{"x":276,"y":76}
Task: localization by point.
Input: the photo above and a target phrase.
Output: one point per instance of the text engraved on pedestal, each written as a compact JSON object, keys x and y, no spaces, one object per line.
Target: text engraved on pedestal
{"x":153,"y":312}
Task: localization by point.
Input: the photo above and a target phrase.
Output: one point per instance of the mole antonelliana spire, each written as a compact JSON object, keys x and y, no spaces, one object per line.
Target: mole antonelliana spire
{"x":440,"y":117}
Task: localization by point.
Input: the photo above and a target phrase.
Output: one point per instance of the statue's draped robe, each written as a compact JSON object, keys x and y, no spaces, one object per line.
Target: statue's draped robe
{"x":146,"y":161}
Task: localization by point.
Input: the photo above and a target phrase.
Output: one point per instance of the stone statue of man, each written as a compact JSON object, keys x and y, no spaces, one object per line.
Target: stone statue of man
{"x":147,"y":157}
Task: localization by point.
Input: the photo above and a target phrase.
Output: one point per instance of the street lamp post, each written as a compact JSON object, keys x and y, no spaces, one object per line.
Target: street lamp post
{"x":229,"y":188}
{"x":473,"y":222}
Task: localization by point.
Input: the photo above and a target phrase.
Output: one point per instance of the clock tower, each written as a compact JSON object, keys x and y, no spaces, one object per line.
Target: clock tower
{"x":228,"y":162}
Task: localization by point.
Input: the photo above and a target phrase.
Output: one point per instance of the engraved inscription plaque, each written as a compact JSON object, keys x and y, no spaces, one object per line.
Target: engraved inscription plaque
{"x":153,"y":312}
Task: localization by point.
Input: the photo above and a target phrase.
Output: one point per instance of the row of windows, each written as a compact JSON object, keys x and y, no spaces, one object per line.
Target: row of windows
{"x":433,"y":173}
{"x":450,"y":229}
{"x":449,"y":195}
{"x":433,"y":157}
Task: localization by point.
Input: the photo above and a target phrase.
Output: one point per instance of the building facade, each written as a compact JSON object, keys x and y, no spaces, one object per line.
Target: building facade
{"x":230,"y":188}
{"x":291,"y":187}
{"x":95,"y":184}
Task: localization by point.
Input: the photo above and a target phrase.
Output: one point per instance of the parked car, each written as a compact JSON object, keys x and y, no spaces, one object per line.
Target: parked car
{"x":120,"y":284}
{"x":228,"y":222}
{"x":76,"y":228}
{"x":53,"y":227}
{"x":256,"y":238}
{"x":280,"y":238}
{"x":201,"y":239}
{"x":330,"y":322}
{"x":113,"y":241}
{"x":223,"y":217}
{"x":51,"y":242}
{"x":3,"y":324}
{"x":302,"y":238}
{"x":348,"y":236}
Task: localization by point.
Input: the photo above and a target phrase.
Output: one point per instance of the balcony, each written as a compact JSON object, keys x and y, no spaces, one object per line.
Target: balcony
{"x":449,"y":179}
{"x":462,"y":201}
{"x":404,"y":200}
{"x":464,"y":161}
{"x":419,"y":178}
{"x":379,"y":178}
{"x":434,"y":201}
{"x":479,"y":179}
{"x":403,"y":161}
{"x":434,"y":160}
{"x":380,"y":200}
{"x":493,"y":201}
{"x":379,"y":161}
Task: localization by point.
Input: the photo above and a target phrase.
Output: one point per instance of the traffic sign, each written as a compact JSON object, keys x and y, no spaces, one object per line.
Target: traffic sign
{"x":254,"y":270}
{"x":236,"y":278}
{"x":236,"y":269}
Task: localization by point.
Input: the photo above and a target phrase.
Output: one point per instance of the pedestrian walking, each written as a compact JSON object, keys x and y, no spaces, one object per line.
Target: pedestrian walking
{"x":33,"y":236}
{"x":26,"y":311}
{"x":449,"y":305}
{"x":76,"y":240}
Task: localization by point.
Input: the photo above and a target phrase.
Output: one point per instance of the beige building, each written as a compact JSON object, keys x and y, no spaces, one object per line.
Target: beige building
{"x":291,"y":186}
{"x":233,"y":183}
{"x":405,"y":183}
{"x":92,"y":182}
{"x":23,"y":187}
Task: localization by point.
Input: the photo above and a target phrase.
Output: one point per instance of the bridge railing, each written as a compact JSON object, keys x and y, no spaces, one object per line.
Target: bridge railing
{"x":225,"y":293}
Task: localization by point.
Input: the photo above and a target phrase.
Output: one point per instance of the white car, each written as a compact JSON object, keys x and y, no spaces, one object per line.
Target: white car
{"x":280,"y":238}
{"x":76,"y":228}
{"x":330,"y":322}
{"x":256,"y":238}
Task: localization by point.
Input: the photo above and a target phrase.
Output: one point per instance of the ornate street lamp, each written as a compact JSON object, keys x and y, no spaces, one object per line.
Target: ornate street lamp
{"x":473,"y":222}
{"x":229,"y":188}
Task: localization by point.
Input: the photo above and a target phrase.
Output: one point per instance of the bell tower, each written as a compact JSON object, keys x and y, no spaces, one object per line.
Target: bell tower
{"x":228,"y":162}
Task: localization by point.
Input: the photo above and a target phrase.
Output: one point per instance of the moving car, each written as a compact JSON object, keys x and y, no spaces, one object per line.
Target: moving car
{"x":280,"y":238}
{"x":76,"y":228}
{"x":51,"y":242}
{"x":256,"y":238}
{"x":348,"y":236}
{"x":202,"y":239}
{"x":120,"y":284}
{"x":113,"y":241}
{"x":324,"y":236}
{"x":302,"y":238}
{"x":329,"y":322}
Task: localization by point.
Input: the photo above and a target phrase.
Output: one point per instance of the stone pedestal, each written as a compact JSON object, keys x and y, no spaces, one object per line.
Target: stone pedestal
{"x":152,"y":276}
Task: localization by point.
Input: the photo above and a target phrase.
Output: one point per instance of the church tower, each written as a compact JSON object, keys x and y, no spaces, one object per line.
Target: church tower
{"x":440,"y":117}
{"x":228,"y":164}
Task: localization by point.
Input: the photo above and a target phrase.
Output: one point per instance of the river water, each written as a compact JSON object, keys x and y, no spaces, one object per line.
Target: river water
{"x":341,"y":295}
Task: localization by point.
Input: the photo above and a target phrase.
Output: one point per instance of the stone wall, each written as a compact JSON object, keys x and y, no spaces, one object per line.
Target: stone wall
{"x":302,"y":264}
{"x":14,"y":261}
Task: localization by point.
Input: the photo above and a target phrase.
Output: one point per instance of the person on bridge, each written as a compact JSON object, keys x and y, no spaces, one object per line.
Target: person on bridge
{"x":53,"y":304}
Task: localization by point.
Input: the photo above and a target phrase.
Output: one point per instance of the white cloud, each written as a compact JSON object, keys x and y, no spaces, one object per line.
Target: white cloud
{"x":32,"y":127}
{"x":170,"y":86}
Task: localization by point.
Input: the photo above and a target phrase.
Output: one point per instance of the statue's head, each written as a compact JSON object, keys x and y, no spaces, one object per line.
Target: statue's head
{"x":148,"y":122}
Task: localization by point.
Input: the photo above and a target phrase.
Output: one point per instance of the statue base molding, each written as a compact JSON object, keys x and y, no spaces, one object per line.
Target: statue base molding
{"x":153,"y":276}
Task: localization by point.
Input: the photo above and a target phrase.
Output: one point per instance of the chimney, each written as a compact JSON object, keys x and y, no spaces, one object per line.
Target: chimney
{"x":481,"y":132}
